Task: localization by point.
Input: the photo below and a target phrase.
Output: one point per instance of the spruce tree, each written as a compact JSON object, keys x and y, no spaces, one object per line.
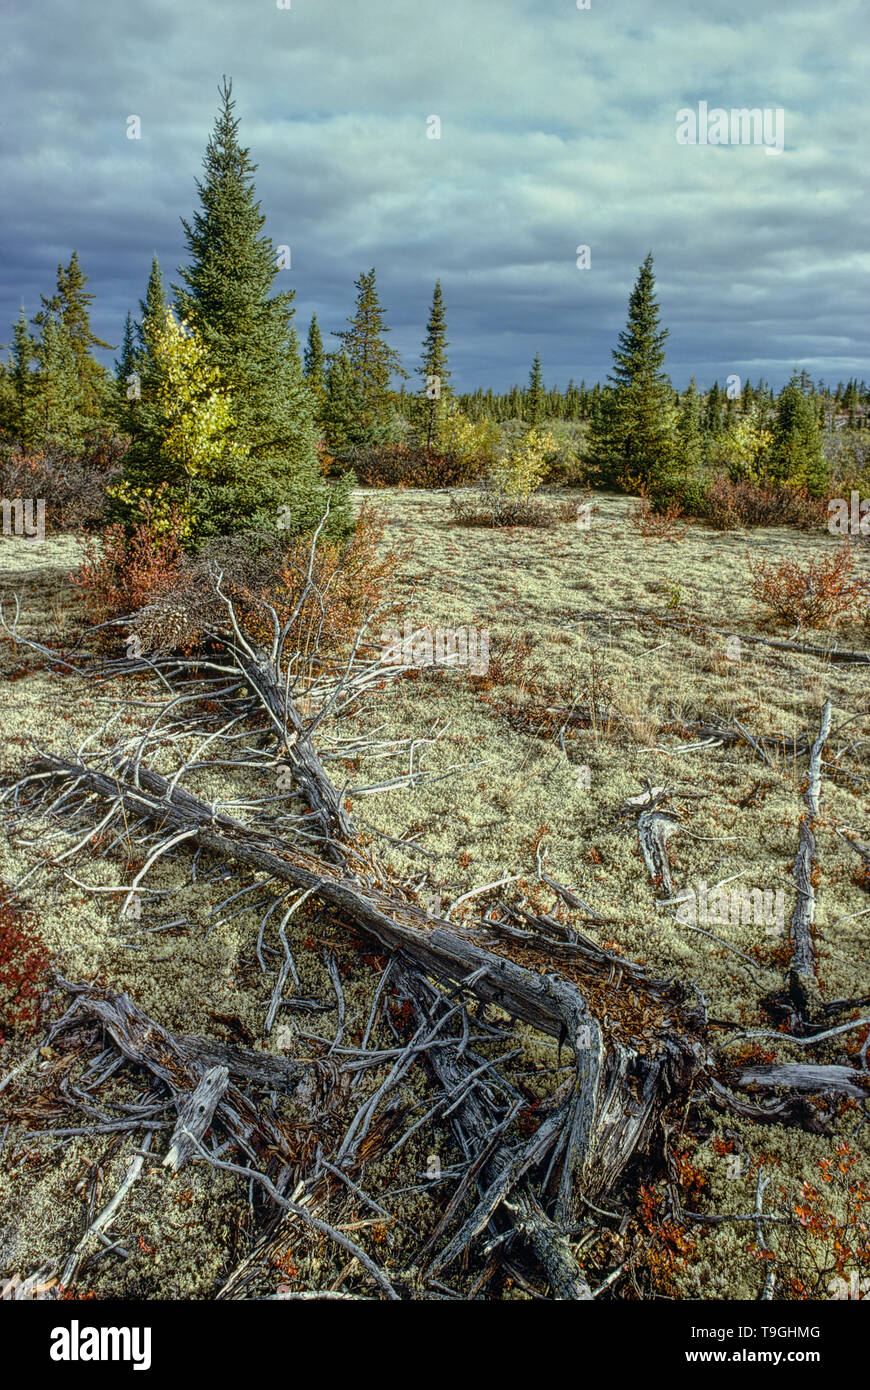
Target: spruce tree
{"x":433,"y":367}
{"x":69,"y":308}
{"x":315,"y":358}
{"x":58,"y":410}
{"x":689,"y":436}
{"x":246,"y":332}
{"x":343,"y":408}
{"x":796,"y":453}
{"x":152,"y":308}
{"x":371,"y":360}
{"x":535,"y":400}
{"x":713,"y":412}
{"x":632,"y":439}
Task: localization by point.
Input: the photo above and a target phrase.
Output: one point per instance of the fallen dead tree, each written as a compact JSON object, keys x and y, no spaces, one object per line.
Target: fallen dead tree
{"x":638,"y":1046}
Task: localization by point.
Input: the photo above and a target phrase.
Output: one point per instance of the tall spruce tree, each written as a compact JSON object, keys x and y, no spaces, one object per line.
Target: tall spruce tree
{"x":152,"y":309}
{"x":69,"y":308}
{"x":632,"y":439}
{"x":535,"y":399}
{"x":372,"y":360}
{"x":343,"y":408}
{"x":315,"y":362}
{"x":433,"y":367}
{"x":689,"y":435}
{"x":796,"y":452}
{"x":246,"y":332}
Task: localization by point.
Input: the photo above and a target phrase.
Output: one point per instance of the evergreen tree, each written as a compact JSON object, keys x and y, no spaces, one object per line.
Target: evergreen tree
{"x":315,"y":359}
{"x":632,"y":437}
{"x":796,"y":453}
{"x":433,"y":366}
{"x":713,"y":412}
{"x":689,"y":436}
{"x":57,"y":411}
{"x":371,"y":360}
{"x":69,"y":308}
{"x":126,"y":363}
{"x":152,"y":308}
{"x":19,"y":381}
{"x":535,"y":402}
{"x":246,"y":334}
{"x":343,"y":408}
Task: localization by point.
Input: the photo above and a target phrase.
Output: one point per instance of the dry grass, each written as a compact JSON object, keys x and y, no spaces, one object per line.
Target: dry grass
{"x":562,"y":609}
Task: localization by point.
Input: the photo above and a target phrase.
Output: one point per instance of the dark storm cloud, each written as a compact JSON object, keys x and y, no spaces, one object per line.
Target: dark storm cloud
{"x":558,"y":128}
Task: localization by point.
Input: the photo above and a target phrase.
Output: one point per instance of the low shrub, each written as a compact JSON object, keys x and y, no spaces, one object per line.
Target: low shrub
{"x":124,"y":568}
{"x":666,"y":524}
{"x":402,"y":465}
{"x":728,"y":504}
{"x":820,"y":594}
{"x":144,"y":574}
{"x":72,"y":484}
{"x":24,"y":964}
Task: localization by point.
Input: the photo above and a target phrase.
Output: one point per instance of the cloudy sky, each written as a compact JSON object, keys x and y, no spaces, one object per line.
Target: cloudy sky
{"x":558,"y":129}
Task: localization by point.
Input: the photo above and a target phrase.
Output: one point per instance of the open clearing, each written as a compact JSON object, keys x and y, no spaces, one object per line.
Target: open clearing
{"x":640,"y":633}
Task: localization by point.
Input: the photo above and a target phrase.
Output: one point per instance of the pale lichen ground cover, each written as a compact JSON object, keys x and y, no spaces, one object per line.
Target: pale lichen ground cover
{"x":510,"y":796}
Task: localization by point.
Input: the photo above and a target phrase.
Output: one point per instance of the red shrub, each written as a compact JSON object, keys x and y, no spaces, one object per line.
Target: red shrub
{"x":816,"y":595}
{"x":24,"y":963}
{"x":122,"y":571}
{"x":730,"y":504}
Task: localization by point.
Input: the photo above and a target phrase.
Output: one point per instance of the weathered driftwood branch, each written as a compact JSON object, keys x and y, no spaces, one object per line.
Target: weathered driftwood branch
{"x":617,"y":1087}
{"x":800,"y":1076}
{"x":475,"y":1118}
{"x":176,"y":1063}
{"x":195,"y":1116}
{"x":801,"y":972}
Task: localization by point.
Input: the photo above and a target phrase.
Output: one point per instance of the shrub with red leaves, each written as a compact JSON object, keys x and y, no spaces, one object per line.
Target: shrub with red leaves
{"x":728,"y":504}
{"x":819,"y":594}
{"x":24,"y":963}
{"x":123,"y":570}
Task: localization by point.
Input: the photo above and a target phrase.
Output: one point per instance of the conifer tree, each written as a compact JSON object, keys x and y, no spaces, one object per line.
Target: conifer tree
{"x":69,"y":307}
{"x":343,"y":408}
{"x":796,"y":453}
{"x":125,"y":364}
{"x":713,"y":412}
{"x":433,"y":367}
{"x":246,"y":332}
{"x":315,"y":359}
{"x":632,"y":436}
{"x":58,"y":410}
{"x":152,"y":308}
{"x":371,"y":359}
{"x":534,"y":405}
{"x":689,"y":436}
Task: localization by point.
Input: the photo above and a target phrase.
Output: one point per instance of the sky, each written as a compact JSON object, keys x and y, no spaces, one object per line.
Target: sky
{"x":558,"y":129}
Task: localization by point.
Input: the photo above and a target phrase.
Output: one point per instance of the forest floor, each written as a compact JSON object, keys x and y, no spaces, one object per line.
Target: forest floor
{"x":641,"y":631}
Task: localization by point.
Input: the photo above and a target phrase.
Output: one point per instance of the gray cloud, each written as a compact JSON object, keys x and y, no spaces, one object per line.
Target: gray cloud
{"x":558,"y":128}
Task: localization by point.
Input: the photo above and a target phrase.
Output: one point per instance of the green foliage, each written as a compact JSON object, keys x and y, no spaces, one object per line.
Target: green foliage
{"x":633,"y":436}
{"x":435,"y":392}
{"x":315,"y":361}
{"x":796,"y":455}
{"x":372,"y":363}
{"x":690,"y":439}
{"x":54,"y":393}
{"x":183,"y":459}
{"x":534,"y":405}
{"x":246,"y":333}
